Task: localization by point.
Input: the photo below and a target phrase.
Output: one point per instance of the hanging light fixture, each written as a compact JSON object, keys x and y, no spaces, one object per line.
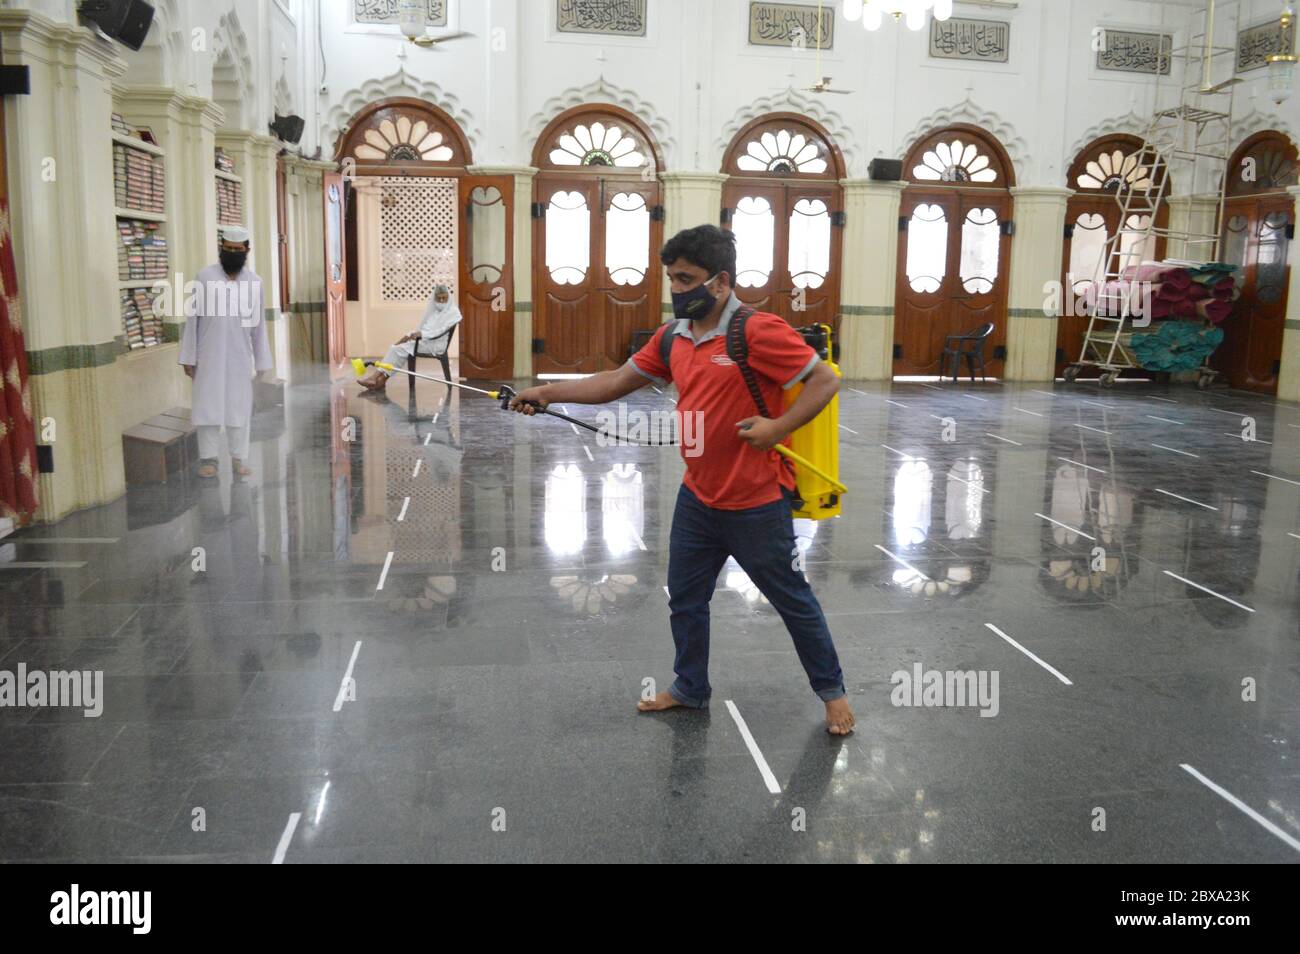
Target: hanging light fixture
{"x":1281,"y":66}
{"x":873,"y":12}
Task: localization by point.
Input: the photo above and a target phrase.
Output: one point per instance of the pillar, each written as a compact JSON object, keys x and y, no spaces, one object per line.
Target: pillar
{"x":1036,"y":250}
{"x":870,"y":265}
{"x":1288,"y":377}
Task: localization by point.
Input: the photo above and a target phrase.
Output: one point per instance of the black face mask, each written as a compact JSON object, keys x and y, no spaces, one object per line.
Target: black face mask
{"x":233,"y":262}
{"x":695,"y":303}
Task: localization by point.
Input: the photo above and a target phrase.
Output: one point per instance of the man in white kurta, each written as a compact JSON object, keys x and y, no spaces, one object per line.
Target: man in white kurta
{"x":440,"y":316}
{"x":223,"y":346}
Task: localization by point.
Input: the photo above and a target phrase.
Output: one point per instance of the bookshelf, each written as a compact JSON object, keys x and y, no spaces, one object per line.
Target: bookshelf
{"x":139,"y":194}
{"x":230,"y":191}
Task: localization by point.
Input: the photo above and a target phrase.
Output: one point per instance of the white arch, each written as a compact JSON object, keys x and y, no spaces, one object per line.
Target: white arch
{"x":232,"y":62}
{"x":791,"y":100}
{"x":400,"y":83}
{"x":967,"y":111}
{"x":595,"y":93}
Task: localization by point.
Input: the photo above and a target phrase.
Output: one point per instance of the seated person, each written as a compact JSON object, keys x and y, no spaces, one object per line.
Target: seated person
{"x":440,"y":316}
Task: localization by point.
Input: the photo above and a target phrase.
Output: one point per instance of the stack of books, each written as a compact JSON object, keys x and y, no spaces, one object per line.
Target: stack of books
{"x":120,"y":126}
{"x":225,"y":162}
{"x":143,"y":252}
{"x":138,"y":181}
{"x":143,"y":328}
{"x":230,"y":203}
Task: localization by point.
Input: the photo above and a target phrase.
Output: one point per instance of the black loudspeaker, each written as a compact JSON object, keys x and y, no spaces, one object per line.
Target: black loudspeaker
{"x":288,"y":128}
{"x":126,"y":21}
{"x":885,"y":170}
{"x":15,"y":81}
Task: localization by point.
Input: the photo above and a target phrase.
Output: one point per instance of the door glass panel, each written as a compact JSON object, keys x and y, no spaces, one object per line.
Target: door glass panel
{"x":487,"y":234}
{"x":1270,"y":267}
{"x":1136,"y":246}
{"x":627,"y":238}
{"x":1085,"y":250}
{"x":1234,"y":241}
{"x":810,"y":243}
{"x":568,"y":237}
{"x":754,"y":226}
{"x":979,"y":251}
{"x":927,"y":248}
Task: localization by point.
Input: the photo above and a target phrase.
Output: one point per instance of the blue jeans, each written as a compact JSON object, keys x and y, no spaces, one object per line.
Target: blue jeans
{"x":762,"y":541}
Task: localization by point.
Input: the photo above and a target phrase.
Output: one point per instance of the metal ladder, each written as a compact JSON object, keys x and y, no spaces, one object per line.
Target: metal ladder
{"x":1191,"y":134}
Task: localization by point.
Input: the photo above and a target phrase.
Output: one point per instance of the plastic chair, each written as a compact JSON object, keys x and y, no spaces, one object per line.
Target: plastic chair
{"x":969,"y":346}
{"x":442,"y":358}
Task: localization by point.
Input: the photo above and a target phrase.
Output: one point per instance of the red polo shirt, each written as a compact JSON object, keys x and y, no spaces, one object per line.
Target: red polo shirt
{"x":726,"y":473}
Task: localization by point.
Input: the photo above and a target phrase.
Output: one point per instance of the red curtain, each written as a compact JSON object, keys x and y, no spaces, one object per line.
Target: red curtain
{"x":17,"y":435}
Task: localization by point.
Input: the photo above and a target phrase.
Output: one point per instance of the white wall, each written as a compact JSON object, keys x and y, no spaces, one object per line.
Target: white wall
{"x":695,"y":80}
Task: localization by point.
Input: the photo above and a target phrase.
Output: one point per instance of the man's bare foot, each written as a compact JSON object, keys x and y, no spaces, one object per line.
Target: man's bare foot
{"x":239,"y":468}
{"x":662,"y":700}
{"x":839,"y":717}
{"x":375,"y":380}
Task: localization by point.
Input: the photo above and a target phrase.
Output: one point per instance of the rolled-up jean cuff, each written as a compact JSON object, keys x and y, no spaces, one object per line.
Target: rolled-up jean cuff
{"x":830,"y":695}
{"x":689,"y":703}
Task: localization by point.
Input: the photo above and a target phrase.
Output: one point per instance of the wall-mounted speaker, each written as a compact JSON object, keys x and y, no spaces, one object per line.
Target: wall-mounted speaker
{"x":885,"y":170}
{"x":126,"y":21}
{"x":288,"y":128}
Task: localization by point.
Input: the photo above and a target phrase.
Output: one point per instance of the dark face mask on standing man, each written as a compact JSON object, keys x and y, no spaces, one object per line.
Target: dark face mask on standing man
{"x":696,"y":303}
{"x":233,"y":262}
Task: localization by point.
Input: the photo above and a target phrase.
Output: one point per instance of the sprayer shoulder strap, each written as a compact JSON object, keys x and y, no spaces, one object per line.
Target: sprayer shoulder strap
{"x":738,"y":351}
{"x":666,"y":346}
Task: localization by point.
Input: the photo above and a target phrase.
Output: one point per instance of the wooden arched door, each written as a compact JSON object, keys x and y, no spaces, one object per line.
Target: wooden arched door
{"x":598,"y":226}
{"x":952,"y":248}
{"x":1092,"y":216}
{"x":1259,"y":222}
{"x":784,"y":203}
{"x":447,"y":224}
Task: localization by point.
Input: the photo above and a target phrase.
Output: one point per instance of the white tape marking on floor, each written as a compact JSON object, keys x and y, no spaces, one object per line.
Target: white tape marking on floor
{"x":965,"y":481}
{"x":1275,"y":477}
{"x":1222,"y":411}
{"x":1097,"y":429}
{"x":1084,"y":466}
{"x":406,"y":502}
{"x":764,"y":770}
{"x":1023,"y":411}
{"x":850,"y":430}
{"x":1099,"y":404}
{"x":974,"y":398}
{"x":347,"y":678}
{"x":1208,"y":590}
{"x":1065,"y":525}
{"x":1166,"y":400}
{"x":901,"y":562}
{"x":1006,"y":440}
{"x":1049,"y":668}
{"x":895,"y":403}
{"x":426,"y":439}
{"x":1177,"y":451}
{"x":588,"y":450}
{"x":388,"y":561}
{"x":931,"y":387}
{"x":1253,"y":440}
{"x":658,"y":390}
{"x":66,"y":540}
{"x":287,"y":836}
{"x":43,"y":565}
{"x":575,"y":428}
{"x":1290,"y":534}
{"x":856,"y":391}
{"x":418,"y":464}
{"x":898,"y":452}
{"x":1241,"y":806}
{"x":1185,"y":499}
{"x":435,"y":421}
{"x":1048,"y":393}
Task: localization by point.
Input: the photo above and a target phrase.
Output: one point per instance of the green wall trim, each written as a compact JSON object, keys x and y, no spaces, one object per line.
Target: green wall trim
{"x":874,"y":311}
{"x":271,"y":314}
{"x":73,"y":357}
{"x":1028,"y":313}
{"x":307,"y":307}
{"x":1292,"y":324}
{"x":523,"y":306}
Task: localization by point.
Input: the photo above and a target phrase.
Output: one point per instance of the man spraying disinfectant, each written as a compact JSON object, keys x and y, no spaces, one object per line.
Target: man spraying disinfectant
{"x":735,"y":498}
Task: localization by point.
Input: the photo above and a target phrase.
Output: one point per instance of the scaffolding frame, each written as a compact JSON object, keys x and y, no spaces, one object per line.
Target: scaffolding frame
{"x":1191,"y":134}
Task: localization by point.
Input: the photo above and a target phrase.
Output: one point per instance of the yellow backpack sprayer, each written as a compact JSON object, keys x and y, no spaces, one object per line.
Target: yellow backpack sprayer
{"x":814,"y":448}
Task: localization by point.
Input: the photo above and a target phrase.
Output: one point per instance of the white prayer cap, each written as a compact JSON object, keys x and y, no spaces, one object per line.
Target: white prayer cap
{"x":234,"y":233}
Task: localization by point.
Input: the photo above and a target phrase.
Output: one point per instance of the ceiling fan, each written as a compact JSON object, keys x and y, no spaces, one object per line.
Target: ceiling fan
{"x":824,"y":86}
{"x":426,"y":42}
